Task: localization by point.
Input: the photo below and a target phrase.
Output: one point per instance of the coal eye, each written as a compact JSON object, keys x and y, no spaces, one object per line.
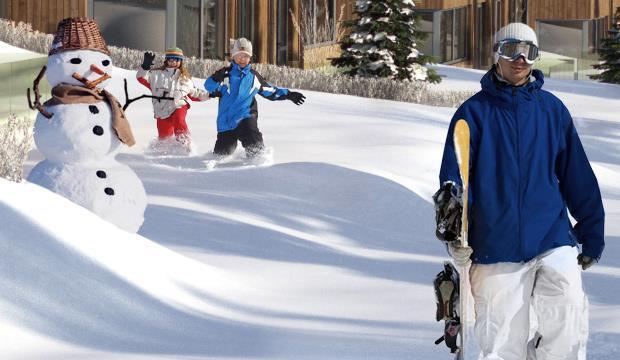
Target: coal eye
{"x":76,"y":61}
{"x":105,"y":62}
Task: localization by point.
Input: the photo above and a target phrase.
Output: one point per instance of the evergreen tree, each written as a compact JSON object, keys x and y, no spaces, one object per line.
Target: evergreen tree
{"x":610,"y":54}
{"x":382,"y":42}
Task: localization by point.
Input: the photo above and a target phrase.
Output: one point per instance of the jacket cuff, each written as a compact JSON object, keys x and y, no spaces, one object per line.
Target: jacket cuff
{"x":141,"y":72}
{"x":592,"y":252}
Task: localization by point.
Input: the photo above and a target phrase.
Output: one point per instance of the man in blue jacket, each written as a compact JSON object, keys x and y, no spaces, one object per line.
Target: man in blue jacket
{"x":236,"y":86}
{"x":527,"y":167}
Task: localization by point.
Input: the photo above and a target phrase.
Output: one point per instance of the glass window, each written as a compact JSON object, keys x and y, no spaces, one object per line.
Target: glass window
{"x":460,"y":33}
{"x":214,"y":29}
{"x":282,"y":24}
{"x":425,"y":24}
{"x":601,"y":32}
{"x":592,"y":36}
{"x":497,"y":18}
{"x":453,"y":30}
{"x":4,"y":9}
{"x":212,"y":24}
{"x":331,"y":13}
{"x":245,"y":19}
{"x":517,"y":10}
{"x":480,"y":48}
{"x":596,"y":32}
{"x":133,"y":24}
{"x":188,"y":27}
{"x":324,"y":17}
{"x":453,"y":38}
{"x":561,"y":37}
{"x":447,"y":35}
{"x":317,"y":21}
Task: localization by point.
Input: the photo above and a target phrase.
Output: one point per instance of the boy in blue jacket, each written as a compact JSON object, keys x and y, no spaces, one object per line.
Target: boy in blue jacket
{"x":527,"y":167}
{"x":236,"y":86}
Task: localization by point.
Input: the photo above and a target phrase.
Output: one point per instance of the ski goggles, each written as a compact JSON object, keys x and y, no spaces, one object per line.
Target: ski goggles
{"x":512,"y":49}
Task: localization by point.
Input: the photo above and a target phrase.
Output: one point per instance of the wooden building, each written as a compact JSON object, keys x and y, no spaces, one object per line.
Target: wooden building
{"x":202,"y":28}
{"x":458,"y":34}
{"x":43,"y":15}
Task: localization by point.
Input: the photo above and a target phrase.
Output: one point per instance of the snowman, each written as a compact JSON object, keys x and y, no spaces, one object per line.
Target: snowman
{"x":81,"y":128}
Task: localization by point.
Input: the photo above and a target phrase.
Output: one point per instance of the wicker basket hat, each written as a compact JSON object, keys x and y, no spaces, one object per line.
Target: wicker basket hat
{"x":78,"y":34}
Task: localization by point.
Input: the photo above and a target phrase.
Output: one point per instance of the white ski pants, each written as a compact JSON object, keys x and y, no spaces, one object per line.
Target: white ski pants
{"x":551,"y":286}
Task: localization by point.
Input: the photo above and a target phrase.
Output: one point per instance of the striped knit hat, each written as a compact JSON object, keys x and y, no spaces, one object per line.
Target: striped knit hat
{"x":175,"y":53}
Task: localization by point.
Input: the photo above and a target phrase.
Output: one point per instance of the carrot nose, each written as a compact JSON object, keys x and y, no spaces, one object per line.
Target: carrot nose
{"x":95,"y":69}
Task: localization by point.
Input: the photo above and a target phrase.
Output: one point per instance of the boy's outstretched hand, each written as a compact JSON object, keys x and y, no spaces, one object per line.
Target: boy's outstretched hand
{"x":147,"y":62}
{"x":296,"y":97}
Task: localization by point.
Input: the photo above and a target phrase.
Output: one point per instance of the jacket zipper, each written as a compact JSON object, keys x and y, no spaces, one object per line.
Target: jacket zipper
{"x":515,"y":103}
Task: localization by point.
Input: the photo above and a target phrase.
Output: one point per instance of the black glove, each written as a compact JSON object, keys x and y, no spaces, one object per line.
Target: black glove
{"x":221,"y":74}
{"x":585,"y":261}
{"x":448,"y":211}
{"x":296,"y":97}
{"x":147,"y":63}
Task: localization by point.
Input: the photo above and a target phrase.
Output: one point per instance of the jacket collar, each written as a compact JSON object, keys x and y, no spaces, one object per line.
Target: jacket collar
{"x":497,"y":87}
{"x":237,"y":68}
{"x":171,"y":72}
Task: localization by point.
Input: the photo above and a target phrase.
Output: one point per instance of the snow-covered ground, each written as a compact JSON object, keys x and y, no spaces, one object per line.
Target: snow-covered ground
{"x":327,"y":254}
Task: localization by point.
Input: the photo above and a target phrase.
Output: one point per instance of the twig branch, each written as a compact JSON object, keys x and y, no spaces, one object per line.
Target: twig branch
{"x":37,"y":96}
{"x":129,"y":101}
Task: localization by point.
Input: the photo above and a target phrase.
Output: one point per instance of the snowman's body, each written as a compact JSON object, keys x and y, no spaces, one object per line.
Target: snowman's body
{"x":76,"y":133}
{"x":80,"y":144}
{"x":108,"y":188}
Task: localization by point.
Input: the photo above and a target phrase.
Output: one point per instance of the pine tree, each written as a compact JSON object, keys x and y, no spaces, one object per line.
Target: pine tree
{"x":610,"y":54}
{"x":382,"y":42}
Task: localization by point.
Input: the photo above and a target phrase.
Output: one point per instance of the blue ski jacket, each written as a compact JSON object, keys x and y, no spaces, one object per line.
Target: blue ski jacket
{"x":527,"y":166}
{"x":237,"y":93}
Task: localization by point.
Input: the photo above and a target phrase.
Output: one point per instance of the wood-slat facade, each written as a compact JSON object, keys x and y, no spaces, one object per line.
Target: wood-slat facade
{"x":538,"y":9}
{"x":45,"y":15}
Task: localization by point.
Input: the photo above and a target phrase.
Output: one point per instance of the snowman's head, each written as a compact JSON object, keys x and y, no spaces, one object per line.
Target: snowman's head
{"x":86,"y":65}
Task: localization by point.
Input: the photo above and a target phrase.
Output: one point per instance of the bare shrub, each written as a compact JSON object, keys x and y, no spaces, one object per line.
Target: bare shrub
{"x":21,"y":35}
{"x":310,"y":30}
{"x":318,"y":37}
{"x":15,"y":141}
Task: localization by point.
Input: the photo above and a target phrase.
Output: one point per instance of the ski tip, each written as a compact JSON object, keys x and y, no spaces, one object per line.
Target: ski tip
{"x":461,"y":125}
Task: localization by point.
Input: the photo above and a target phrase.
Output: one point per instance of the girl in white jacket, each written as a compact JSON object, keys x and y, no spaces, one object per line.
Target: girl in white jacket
{"x":170,"y":80}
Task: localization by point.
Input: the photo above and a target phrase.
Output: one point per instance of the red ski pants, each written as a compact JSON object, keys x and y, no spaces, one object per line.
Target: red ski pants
{"x":174,"y":124}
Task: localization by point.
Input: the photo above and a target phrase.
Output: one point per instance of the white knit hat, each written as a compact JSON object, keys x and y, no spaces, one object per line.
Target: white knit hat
{"x":241,"y":46}
{"x":517,"y":31}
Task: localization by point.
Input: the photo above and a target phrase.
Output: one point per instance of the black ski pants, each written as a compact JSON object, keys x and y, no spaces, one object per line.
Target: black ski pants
{"x":247,"y":132}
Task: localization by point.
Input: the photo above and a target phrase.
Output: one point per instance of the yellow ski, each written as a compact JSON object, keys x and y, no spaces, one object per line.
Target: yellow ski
{"x":461,"y":146}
